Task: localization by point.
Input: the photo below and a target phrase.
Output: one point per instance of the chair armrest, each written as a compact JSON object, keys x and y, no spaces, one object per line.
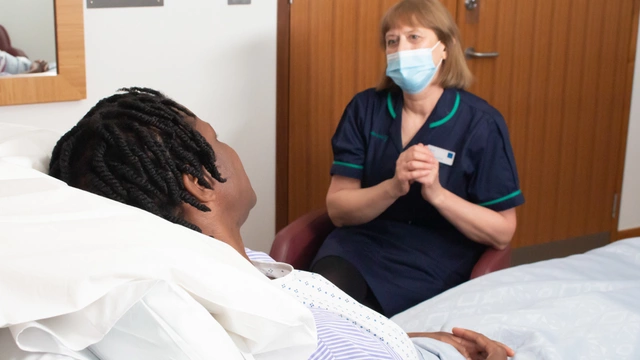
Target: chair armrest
{"x":492,"y":260}
{"x":298,"y":242}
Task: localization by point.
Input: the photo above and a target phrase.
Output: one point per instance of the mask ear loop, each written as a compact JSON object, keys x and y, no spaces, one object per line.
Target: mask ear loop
{"x":444,"y":48}
{"x":436,"y":73}
{"x":439,"y":64}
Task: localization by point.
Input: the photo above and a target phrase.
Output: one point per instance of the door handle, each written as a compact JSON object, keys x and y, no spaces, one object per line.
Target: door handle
{"x":471,"y":53}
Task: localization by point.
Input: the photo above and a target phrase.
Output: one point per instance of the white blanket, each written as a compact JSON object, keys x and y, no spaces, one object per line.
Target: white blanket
{"x":581,"y":307}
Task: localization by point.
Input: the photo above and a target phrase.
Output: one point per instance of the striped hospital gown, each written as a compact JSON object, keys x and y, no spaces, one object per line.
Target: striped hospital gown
{"x":339,"y":338}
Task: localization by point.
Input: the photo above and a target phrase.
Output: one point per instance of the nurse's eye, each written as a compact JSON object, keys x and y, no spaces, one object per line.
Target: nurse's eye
{"x":414,"y":37}
{"x":391,"y":42}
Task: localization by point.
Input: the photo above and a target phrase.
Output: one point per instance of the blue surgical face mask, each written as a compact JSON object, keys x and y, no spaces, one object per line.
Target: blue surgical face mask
{"x":412,"y":70}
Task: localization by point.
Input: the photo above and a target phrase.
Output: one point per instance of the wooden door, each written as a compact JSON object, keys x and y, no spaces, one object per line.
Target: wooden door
{"x":334,"y":53}
{"x":562,"y":80}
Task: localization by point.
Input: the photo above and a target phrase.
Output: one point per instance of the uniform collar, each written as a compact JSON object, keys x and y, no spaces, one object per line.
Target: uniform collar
{"x":446,"y":107}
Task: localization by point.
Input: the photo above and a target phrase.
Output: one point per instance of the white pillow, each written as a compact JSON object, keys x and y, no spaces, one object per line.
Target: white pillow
{"x":27,"y":146}
{"x":167,"y":323}
{"x":65,"y":249}
{"x":164,"y":322}
{"x":10,"y":351}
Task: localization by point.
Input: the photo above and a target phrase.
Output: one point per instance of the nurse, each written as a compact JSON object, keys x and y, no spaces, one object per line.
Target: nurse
{"x":424,"y":178}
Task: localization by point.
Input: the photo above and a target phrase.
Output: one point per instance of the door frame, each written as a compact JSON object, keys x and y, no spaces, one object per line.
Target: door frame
{"x":624,"y":131}
{"x":282,"y":115}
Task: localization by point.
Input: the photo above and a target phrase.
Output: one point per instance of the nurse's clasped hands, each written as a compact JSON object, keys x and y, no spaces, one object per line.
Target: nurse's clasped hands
{"x":417,"y":164}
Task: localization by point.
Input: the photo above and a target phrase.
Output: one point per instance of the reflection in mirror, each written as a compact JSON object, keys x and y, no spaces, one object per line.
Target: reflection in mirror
{"x":27,"y":38}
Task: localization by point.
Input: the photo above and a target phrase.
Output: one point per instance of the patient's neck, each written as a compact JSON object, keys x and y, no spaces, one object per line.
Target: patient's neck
{"x":231,"y":237}
{"x":216,"y":225}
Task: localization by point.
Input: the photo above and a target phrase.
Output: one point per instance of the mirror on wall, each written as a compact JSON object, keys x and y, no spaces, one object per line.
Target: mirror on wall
{"x":27,"y":38}
{"x":51,"y":31}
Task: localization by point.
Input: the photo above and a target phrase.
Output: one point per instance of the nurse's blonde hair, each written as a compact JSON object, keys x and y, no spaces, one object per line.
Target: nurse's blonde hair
{"x":430,"y":14}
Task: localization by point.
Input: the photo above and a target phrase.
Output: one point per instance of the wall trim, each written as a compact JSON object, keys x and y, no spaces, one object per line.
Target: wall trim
{"x":628,"y":233}
{"x":558,"y":249}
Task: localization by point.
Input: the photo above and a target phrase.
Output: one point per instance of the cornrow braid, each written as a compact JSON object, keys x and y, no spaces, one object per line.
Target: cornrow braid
{"x":133,"y":147}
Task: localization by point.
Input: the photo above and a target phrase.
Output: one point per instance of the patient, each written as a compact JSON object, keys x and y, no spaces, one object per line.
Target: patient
{"x":143,"y":149}
{"x":12,"y":65}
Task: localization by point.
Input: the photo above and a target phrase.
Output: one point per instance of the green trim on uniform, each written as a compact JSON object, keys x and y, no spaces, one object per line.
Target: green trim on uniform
{"x":451,"y":114}
{"x":359,"y":167}
{"x":381,"y":137}
{"x":456,"y":105}
{"x":504,"y":198}
{"x":390,"y":105}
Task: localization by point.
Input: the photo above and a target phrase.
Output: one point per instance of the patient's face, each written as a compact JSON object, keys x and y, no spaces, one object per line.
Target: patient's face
{"x":237,"y":189}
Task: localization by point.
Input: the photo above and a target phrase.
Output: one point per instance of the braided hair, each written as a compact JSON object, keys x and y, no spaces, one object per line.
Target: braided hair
{"x":134,"y":147}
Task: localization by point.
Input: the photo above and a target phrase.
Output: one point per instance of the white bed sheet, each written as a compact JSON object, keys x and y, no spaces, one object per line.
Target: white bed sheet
{"x":581,"y":307}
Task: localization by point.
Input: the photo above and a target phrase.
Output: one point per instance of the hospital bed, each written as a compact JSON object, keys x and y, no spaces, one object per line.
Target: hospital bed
{"x":581,"y":307}
{"x":80,"y":273}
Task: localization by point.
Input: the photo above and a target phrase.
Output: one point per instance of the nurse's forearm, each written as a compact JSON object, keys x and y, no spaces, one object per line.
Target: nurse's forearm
{"x":478,"y":223}
{"x":358,"y":206}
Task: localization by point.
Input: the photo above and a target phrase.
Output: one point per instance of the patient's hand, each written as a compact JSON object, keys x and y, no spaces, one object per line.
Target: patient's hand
{"x":458,"y":343}
{"x":486,"y":348}
{"x":38,"y":66}
{"x":471,"y":345}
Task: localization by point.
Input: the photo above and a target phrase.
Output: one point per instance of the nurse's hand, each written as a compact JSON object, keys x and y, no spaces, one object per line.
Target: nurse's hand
{"x":410,"y":166}
{"x":431,"y":188}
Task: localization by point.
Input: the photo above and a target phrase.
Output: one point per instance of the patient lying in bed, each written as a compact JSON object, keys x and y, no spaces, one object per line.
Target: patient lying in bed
{"x":142,"y":149}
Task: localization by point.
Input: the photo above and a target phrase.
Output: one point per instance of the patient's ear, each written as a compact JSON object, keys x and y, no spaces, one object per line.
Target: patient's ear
{"x":193,"y":187}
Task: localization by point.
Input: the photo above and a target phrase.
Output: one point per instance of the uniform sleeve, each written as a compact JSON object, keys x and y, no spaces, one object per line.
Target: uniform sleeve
{"x":494,"y":183}
{"x":348,"y":145}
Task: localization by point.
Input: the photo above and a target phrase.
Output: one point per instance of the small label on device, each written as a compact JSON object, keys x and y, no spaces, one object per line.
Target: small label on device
{"x":443,"y":156}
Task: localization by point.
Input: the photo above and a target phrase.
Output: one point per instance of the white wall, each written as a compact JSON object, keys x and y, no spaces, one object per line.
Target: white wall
{"x":30,"y":24}
{"x":217,"y":60}
{"x":630,"y":199}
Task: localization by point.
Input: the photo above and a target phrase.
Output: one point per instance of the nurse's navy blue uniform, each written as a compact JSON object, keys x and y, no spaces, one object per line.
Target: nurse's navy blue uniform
{"x":410,"y":252}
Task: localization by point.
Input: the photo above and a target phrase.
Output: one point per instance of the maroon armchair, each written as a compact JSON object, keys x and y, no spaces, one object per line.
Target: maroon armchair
{"x":298,"y":242}
{"x":5,"y":44}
